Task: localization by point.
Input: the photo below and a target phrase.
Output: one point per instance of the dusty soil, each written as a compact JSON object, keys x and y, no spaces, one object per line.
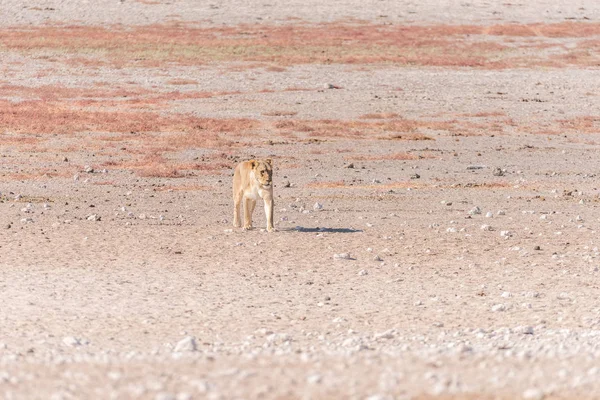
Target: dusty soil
{"x":437,"y":238}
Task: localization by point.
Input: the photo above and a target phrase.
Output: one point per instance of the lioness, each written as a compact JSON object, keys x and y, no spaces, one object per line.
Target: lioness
{"x":253,"y":179}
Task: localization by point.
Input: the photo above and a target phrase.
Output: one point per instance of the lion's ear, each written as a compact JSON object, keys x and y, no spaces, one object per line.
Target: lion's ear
{"x":269,"y":161}
{"x":253,"y":163}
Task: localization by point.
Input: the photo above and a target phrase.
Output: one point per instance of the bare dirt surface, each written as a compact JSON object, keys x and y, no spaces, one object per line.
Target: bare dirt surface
{"x":436,"y":200}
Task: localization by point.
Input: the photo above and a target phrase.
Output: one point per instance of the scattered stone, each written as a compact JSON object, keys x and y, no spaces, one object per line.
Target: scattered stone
{"x":363,"y":272}
{"x":317,"y":206}
{"x":501,"y":212}
{"x":187,"y":344}
{"x":342,"y":256}
{"x":142,"y":216}
{"x":415,"y":176}
{"x":71,"y":341}
{"x":498,"y":171}
{"x":65,"y":159}
{"x":286,"y":184}
{"x":314,"y":379}
{"x":331,"y":86}
{"x":474,"y":167}
{"x":475,"y":211}
{"x":76,"y":177}
{"x":27,"y":220}
{"x":537,"y":248}
{"x":498,"y":308}
{"x":389,"y":334}
{"x":489,"y":214}
{"x":93,"y":217}
{"x":349,"y":165}
{"x":533,"y":394}
{"x":164,"y":396}
{"x":452,"y":230}
{"x":377,"y":258}
{"x":506,"y":234}
{"x":486,"y":228}
{"x":525,"y":330}
{"x":88,"y":169}
{"x":506,"y":294}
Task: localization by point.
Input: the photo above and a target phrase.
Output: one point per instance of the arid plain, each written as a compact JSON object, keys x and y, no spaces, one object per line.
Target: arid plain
{"x":436,"y":200}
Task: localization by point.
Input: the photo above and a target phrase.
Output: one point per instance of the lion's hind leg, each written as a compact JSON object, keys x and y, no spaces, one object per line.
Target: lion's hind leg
{"x":237,"y":203}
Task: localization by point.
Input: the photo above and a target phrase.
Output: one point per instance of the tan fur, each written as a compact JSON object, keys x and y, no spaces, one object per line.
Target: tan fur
{"x":251,"y":180}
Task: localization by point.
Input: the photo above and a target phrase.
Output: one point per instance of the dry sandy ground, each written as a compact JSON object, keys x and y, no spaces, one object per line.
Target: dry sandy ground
{"x":470,"y":216}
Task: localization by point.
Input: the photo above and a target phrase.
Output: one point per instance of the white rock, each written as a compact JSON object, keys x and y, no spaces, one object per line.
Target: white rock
{"x":506,"y":234}
{"x":525,"y":330}
{"x":186,"y":344}
{"x":489,"y":214}
{"x":485,"y":227}
{"x":452,"y":230}
{"x":475,"y":210}
{"x":93,"y":217}
{"x":498,"y":308}
{"x":533,"y":394}
{"x":26,"y":220}
{"x":342,"y":256}
{"x":71,"y":341}
{"x":506,"y":294}
{"x":501,"y":212}
{"x":377,"y":258}
{"x":363,"y":272}
{"x":314,"y":379}
{"x":389,"y":334}
{"x":317,"y":206}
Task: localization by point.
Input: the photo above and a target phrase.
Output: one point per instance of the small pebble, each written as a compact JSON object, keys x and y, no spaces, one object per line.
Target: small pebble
{"x":475,"y":211}
{"x":533,"y":394}
{"x":71,"y":341}
{"x":187,"y":344}
{"x":362,"y":272}
{"x":499,"y":308}
{"x":342,"y":256}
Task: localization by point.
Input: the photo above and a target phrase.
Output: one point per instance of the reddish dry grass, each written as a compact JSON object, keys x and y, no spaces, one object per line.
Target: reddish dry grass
{"x":58,"y":117}
{"x":182,"y":82}
{"x":379,"y":116}
{"x":394,"y":156}
{"x":441,"y":45}
{"x":279,"y":113}
{"x":390,"y":129}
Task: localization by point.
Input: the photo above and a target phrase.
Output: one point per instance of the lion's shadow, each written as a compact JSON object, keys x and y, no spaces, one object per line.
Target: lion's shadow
{"x":320,"y":230}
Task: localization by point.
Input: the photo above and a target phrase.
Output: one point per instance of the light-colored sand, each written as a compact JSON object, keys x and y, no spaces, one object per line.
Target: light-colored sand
{"x":432,"y":302}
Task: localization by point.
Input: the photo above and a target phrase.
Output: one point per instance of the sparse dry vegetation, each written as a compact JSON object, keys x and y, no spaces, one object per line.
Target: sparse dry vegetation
{"x":440,"y":45}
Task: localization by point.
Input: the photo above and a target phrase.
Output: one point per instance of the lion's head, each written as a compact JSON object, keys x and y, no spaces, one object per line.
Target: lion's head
{"x":263,"y":172}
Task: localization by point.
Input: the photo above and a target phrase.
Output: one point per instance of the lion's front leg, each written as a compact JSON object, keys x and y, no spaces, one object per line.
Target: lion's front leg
{"x":269,"y":204}
{"x":248,"y":210}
